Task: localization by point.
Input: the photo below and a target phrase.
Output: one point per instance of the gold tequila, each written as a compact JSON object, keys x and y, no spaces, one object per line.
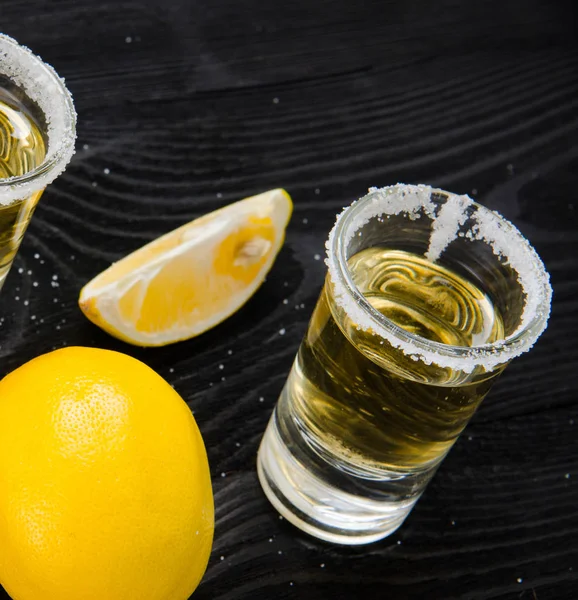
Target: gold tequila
{"x":363,"y":401}
{"x":22,"y":148}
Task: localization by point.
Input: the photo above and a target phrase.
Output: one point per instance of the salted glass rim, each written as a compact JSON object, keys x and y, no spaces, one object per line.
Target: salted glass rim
{"x":42,"y":85}
{"x":506,"y":240}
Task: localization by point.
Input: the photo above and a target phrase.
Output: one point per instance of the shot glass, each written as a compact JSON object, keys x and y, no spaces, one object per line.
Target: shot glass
{"x":428,"y":297}
{"x":37,"y":135}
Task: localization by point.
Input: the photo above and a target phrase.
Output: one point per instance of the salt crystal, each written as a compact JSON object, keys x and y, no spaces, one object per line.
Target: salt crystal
{"x":128,"y":39}
{"x":106,"y":171}
{"x":452,"y":215}
{"x":282,"y":331}
{"x":506,"y":242}
{"x":275,"y":100}
{"x":46,"y":89}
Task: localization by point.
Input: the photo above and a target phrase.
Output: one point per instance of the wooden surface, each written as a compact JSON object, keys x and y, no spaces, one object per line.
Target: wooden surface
{"x":192,"y":105}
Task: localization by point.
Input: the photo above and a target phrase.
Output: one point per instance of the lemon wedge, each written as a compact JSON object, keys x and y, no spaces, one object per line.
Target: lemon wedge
{"x":189,"y":280}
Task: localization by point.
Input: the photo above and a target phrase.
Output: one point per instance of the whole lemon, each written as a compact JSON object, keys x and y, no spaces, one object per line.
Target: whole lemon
{"x":105,"y":491}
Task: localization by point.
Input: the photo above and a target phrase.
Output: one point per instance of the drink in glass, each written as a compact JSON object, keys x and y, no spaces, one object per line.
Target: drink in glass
{"x":37,"y":134}
{"x":428,"y":297}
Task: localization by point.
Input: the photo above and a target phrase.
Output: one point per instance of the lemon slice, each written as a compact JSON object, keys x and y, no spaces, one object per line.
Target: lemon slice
{"x":192,"y":278}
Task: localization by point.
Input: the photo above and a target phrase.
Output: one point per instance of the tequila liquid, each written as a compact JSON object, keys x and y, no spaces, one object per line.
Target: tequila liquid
{"x":370,"y":405}
{"x":22,"y":148}
{"x":361,"y":424}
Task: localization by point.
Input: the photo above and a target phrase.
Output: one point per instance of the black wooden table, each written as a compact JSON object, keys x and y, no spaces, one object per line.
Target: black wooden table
{"x":185,"y":106}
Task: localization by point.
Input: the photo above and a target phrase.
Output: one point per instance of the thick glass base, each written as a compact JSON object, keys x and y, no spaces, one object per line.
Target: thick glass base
{"x":326,"y":501}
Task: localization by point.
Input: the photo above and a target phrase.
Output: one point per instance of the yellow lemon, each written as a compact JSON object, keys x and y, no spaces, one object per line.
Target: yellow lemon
{"x":105,"y":492}
{"x":190,"y":279}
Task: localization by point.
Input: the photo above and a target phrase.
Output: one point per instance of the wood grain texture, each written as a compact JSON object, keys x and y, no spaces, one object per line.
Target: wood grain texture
{"x":193,"y":104}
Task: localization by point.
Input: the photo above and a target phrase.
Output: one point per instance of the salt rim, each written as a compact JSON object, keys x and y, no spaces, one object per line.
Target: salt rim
{"x":505,"y":240}
{"x":43,"y":86}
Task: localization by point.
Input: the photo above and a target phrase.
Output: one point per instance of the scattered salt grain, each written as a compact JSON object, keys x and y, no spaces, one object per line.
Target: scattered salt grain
{"x":282,"y":331}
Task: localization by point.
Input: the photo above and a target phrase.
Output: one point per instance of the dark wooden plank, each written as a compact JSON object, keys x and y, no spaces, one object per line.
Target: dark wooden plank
{"x":191,"y":105}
